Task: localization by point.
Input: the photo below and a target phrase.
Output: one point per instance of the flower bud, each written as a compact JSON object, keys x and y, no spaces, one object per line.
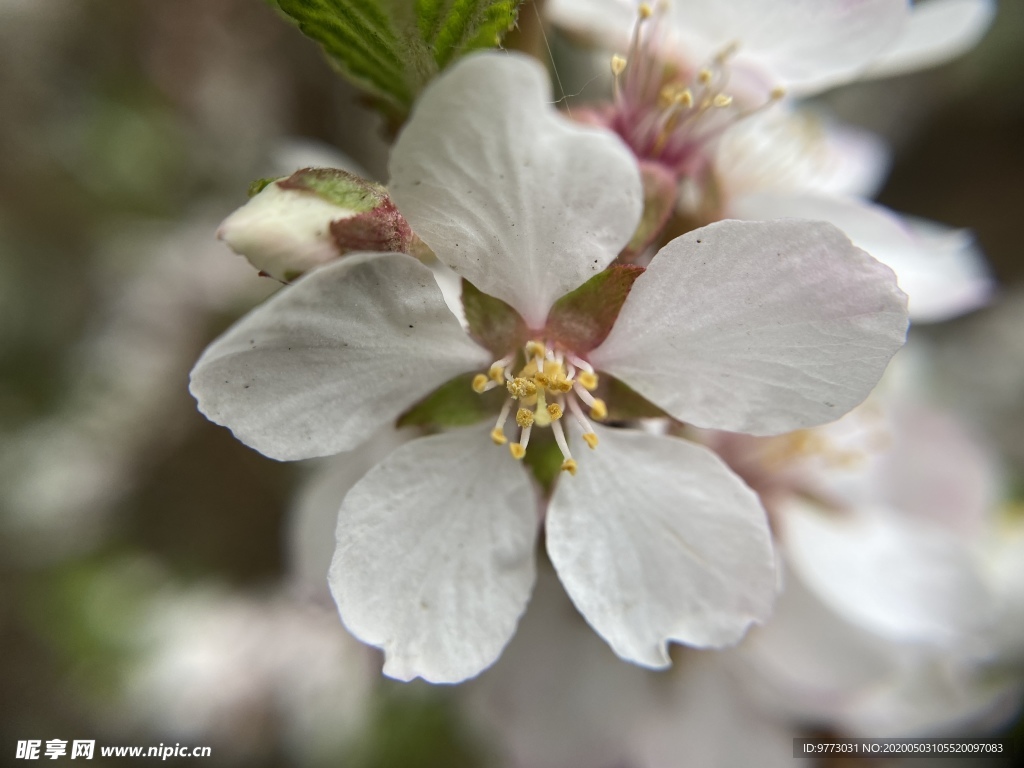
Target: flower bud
{"x":315,"y":215}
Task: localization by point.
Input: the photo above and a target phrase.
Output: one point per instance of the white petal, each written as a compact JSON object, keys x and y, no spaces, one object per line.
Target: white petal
{"x":758,"y":327}
{"x":940,"y":269}
{"x":781,"y":150}
{"x":655,"y":539}
{"x":557,"y":660}
{"x":809,"y":662}
{"x":939,"y":30}
{"x":712,"y":721}
{"x":946,"y":271}
{"x":608,"y":23}
{"x":435,"y":558}
{"x":326,"y":362}
{"x":313,"y":513}
{"x":901,"y":578}
{"x":935,"y":696}
{"x":805,"y":45}
{"x":518,"y":200}
{"x":284,"y":232}
{"x":897,"y":453}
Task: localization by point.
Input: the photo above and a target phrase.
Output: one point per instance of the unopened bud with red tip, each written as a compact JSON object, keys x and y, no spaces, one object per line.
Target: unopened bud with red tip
{"x":316,"y":215}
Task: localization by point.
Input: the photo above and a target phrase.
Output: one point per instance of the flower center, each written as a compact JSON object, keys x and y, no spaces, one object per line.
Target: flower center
{"x":550,"y":383}
{"x":663,"y":111}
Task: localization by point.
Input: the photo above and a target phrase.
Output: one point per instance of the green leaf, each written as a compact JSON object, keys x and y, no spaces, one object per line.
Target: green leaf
{"x":453,"y":28}
{"x":583,"y":319}
{"x":393,"y":48}
{"x":492,"y":322}
{"x":359,"y":38}
{"x":454,"y":404}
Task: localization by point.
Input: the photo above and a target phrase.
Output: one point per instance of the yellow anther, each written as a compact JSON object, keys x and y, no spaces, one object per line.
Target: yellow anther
{"x":618,"y":65}
{"x":535,"y":349}
{"x":587,"y":379}
{"x":569,"y":465}
{"x":590,"y":438}
{"x":722,"y":100}
{"x":542,"y":380}
{"x":497,"y":373}
{"x":555,"y":411}
{"x":684,"y":98}
{"x":498,"y":436}
{"x":777,"y":93}
{"x":480,"y":383}
{"x":516,"y":450}
{"x":705,"y":76}
{"x":645,"y":11}
{"x":520,"y":387}
{"x":598,"y":410}
{"x":561,"y":384}
{"x":524,"y":417}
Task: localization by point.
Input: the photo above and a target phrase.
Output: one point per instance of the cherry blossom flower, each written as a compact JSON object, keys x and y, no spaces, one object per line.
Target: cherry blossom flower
{"x":756,"y":326}
{"x":792,"y":163}
{"x":698,"y":115}
{"x":803,"y":46}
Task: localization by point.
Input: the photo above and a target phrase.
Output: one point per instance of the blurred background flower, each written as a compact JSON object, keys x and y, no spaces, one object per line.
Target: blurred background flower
{"x":158,"y":580}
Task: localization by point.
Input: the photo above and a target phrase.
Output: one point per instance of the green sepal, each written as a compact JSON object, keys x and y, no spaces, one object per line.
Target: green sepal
{"x":492,"y":322}
{"x":582,"y":319}
{"x":393,"y":48}
{"x":257,"y":186}
{"x":453,"y":404}
{"x":544,"y":459}
{"x":341,"y":188}
{"x":625,"y":403}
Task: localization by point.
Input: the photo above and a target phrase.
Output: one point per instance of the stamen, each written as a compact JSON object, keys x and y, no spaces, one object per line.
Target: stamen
{"x":568,"y":463}
{"x":588,"y":380}
{"x":524,"y":417}
{"x":722,"y":100}
{"x":480,"y":382}
{"x":598,"y":409}
{"x":591,"y":438}
{"x":645,"y":11}
{"x":520,"y":387}
{"x":727,"y":53}
{"x":555,"y":411}
{"x":498,"y":433}
{"x":535,"y":349}
{"x":618,"y":64}
{"x":580,"y":363}
{"x":524,"y":437}
{"x":517,"y":451}
{"x":577,"y":413}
